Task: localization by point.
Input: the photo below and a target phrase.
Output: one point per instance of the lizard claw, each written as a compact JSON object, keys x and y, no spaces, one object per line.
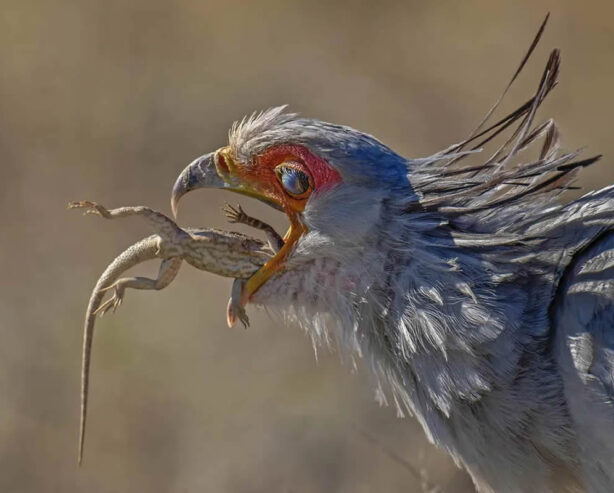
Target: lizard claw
{"x":234,"y":312}
{"x":112,"y":303}
{"x":235,"y":308}
{"x":92,"y":207}
{"x":234,"y":215}
{"x":78,"y":204}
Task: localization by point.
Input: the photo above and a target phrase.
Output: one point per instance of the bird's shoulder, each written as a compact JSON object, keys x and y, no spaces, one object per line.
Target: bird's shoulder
{"x":583,"y":321}
{"x":583,"y":310}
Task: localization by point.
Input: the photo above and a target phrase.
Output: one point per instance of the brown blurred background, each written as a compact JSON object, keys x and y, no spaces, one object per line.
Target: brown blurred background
{"x":108,"y":100}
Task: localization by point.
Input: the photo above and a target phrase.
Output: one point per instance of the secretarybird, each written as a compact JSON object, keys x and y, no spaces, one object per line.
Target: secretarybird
{"x":483,"y":305}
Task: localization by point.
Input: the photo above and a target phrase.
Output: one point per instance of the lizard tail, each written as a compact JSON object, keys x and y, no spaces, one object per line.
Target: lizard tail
{"x":146,"y":249}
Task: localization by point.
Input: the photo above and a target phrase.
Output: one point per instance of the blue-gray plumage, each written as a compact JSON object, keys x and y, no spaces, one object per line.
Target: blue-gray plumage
{"x":482,"y":305}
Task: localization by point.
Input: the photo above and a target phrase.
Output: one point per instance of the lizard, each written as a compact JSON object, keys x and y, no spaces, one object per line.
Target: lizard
{"x":228,"y":254}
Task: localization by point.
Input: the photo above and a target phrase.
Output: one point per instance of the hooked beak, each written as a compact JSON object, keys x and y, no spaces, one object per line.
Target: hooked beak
{"x":200,"y":173}
{"x":214,"y":170}
{"x":219,"y":170}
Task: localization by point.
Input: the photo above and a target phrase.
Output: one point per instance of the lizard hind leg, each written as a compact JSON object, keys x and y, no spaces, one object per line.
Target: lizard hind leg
{"x":165,"y":227}
{"x":168,"y":271}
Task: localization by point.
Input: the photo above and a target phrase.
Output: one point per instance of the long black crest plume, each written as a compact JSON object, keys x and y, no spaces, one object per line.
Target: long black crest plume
{"x":501,"y":180}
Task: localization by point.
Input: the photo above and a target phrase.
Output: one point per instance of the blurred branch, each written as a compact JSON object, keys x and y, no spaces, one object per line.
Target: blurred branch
{"x":419,"y":473}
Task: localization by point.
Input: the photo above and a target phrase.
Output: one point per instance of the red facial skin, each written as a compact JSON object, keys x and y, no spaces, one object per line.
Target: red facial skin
{"x":260,"y":180}
{"x":262,"y":175}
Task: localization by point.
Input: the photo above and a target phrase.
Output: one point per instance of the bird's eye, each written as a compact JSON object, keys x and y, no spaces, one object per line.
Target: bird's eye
{"x":294,"y":181}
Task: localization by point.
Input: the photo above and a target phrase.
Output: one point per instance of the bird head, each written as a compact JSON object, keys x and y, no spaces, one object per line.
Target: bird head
{"x":426,"y":269}
{"x":417,"y":265}
{"x":330,"y":181}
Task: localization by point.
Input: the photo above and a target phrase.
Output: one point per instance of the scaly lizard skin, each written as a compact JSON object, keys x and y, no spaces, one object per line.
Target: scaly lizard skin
{"x":225,"y":253}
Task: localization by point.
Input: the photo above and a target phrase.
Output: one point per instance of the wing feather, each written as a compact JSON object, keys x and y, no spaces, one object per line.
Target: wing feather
{"x":583,"y":317}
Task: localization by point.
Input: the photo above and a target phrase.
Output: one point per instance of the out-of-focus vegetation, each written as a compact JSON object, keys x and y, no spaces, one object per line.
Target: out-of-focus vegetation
{"x":108,"y":101}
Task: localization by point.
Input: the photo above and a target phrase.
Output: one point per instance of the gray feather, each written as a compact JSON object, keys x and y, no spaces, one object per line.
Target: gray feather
{"x":483,"y":306}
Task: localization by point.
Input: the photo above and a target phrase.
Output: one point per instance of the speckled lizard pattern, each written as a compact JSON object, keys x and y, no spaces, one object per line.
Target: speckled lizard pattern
{"x":225,"y":253}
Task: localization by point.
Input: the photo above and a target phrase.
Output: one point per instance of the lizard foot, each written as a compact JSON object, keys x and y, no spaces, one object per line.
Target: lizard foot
{"x":92,"y":208}
{"x":235,"y":214}
{"x":235,"y":309}
{"x":238,"y":215}
{"x":114,"y":301}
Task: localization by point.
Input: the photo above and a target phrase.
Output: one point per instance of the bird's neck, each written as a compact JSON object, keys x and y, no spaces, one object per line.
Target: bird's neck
{"x":453,"y":334}
{"x":413,"y":304}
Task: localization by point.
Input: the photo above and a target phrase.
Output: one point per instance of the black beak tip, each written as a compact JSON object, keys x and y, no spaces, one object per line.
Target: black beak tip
{"x":200,"y":173}
{"x":180,"y":188}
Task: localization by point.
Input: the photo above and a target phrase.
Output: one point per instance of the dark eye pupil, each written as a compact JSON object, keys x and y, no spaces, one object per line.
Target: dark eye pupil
{"x":294,"y":181}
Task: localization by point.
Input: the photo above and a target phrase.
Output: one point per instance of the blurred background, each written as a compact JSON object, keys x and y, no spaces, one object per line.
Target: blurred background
{"x":108,"y":101}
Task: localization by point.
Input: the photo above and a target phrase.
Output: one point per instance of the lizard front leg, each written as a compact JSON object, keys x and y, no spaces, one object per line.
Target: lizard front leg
{"x":238,"y":215}
{"x":235,"y":309}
